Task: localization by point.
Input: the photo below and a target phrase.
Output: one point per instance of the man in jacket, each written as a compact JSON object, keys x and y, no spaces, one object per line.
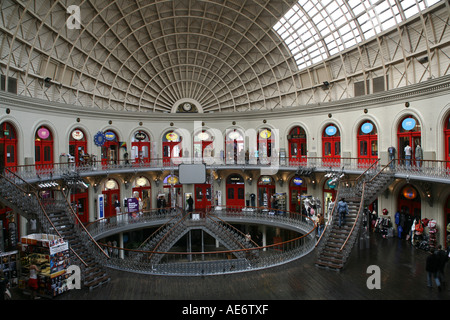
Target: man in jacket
{"x":342,"y":211}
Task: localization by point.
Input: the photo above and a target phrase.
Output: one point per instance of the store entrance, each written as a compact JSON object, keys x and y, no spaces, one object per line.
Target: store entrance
{"x":202,"y":197}
{"x":235,"y":191}
{"x":409,"y":201}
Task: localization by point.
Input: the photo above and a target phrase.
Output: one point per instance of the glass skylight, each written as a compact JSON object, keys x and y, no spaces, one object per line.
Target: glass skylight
{"x":315,"y":30}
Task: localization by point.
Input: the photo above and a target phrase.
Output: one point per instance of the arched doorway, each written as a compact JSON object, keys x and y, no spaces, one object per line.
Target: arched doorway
{"x":111,"y":193}
{"x":409,"y":137}
{"x":297,"y":188}
{"x":78,"y":146}
{"x":297,"y":146}
{"x":234,"y":147}
{"x":171,"y":147}
{"x":266,"y":190}
{"x":110,"y":149}
{"x":447,"y":216}
{"x":8,"y":146}
{"x":202,"y":196}
{"x":140,"y":147}
{"x":143,"y":186}
{"x":329,"y":194}
{"x":173,"y":191}
{"x":203,"y":146}
{"x":447,"y":141}
{"x":235,"y":191}
{"x":43,"y":148}
{"x":331,"y":145}
{"x":80,"y":201}
{"x":409,"y":202}
{"x":265,"y":140}
{"x":367,"y":138}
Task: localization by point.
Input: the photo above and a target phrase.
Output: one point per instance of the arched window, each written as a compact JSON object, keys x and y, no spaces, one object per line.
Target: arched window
{"x":409,"y":137}
{"x":265,"y":144}
{"x":110,"y":150}
{"x":297,"y":188}
{"x":234,"y":147}
{"x":447,"y":141}
{"x":140,"y":147}
{"x":297,"y":146}
{"x":331,"y":145}
{"x":171,"y":147}
{"x":203,"y":145}
{"x":367,"y":143}
{"x":43,"y":148}
{"x":78,"y":146}
{"x":8,"y":146}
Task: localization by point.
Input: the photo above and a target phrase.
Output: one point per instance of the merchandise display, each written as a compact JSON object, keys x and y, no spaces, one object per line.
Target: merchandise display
{"x":51,"y":256}
{"x":8,"y":264}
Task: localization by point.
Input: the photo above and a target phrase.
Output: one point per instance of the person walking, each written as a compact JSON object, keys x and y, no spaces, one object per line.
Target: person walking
{"x":320,"y":224}
{"x":342,"y":211}
{"x":431,"y":267}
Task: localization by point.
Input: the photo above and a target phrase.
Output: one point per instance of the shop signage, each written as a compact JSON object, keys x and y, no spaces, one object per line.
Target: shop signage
{"x":409,"y":193}
{"x":203,"y":136}
{"x":110,"y":136}
{"x":172,"y":180}
{"x":140,"y":182}
{"x":330,"y":184}
{"x":265,"y":134}
{"x":111,"y":184}
{"x":234,"y":135}
{"x":266,"y":180}
{"x":297,"y":181}
{"x":99,"y":139}
{"x":172,"y":136}
{"x":132,"y":205}
{"x":101,"y":206}
{"x":367,"y":127}
{"x":43,"y":133}
{"x":77,"y":134}
{"x":140,"y":136}
{"x":331,"y":130}
{"x":408,"y":124}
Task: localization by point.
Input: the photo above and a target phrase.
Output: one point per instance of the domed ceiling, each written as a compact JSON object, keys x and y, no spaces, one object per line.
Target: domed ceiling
{"x":216,"y":55}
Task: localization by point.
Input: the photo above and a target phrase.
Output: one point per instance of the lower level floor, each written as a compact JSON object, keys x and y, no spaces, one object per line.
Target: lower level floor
{"x":402,"y":277}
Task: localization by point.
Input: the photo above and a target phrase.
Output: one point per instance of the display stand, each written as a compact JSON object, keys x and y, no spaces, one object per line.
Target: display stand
{"x":51,"y":255}
{"x":8,"y":264}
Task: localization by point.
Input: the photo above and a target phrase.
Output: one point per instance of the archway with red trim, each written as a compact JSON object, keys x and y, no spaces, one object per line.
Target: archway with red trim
{"x":409,"y":201}
{"x":110,"y":149}
{"x":235,"y":188}
{"x":43,"y":148}
{"x":447,"y":140}
{"x":78,"y":146}
{"x":331,"y":145}
{"x":367,"y":139}
{"x":297,"y":189}
{"x":297,"y":146}
{"x":171,"y":147}
{"x":408,"y":138}
{"x":8,"y":146}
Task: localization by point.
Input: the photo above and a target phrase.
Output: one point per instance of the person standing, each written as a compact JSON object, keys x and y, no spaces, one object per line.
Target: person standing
{"x":418,"y":155}
{"x":320,"y":224}
{"x":33,"y":280}
{"x":342,"y":211}
{"x":408,"y":153}
{"x":190,"y":203}
{"x":431,"y":267}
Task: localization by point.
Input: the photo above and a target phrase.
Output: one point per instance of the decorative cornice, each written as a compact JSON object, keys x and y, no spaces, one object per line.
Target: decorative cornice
{"x":429,"y":88}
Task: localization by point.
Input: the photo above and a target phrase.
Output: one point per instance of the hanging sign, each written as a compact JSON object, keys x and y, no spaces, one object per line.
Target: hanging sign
{"x":266,"y":180}
{"x":99,"y":139}
{"x":77,"y":134}
{"x":265,"y":134}
{"x":140,"y":136}
{"x":171,"y":136}
{"x":43,"y":133}
{"x":409,"y":193}
{"x":101,"y":206}
{"x":297,"y":181}
{"x":409,"y":124}
{"x":367,"y":127}
{"x":331,"y":130}
{"x":110,"y":136}
{"x":172,"y":180}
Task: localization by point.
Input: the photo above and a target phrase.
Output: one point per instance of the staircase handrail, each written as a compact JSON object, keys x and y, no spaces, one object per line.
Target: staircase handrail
{"x":329,"y":222}
{"x":382,"y":169}
{"x":210,"y":215}
{"x":361,"y":204}
{"x":370,"y":167}
{"x":82,"y":225}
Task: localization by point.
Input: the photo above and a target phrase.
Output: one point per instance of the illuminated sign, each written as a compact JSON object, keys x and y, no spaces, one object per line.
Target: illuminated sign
{"x":110,"y":136}
{"x":331,"y":130}
{"x":367,"y":127}
{"x":77,"y":134}
{"x":265,"y":134}
{"x":408,"y":124}
{"x":297,"y":181}
{"x":172,"y":136}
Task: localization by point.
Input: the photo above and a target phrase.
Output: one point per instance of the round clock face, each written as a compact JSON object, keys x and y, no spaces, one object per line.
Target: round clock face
{"x":187,"y":107}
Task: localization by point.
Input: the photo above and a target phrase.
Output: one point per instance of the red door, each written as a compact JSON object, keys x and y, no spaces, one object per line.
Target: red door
{"x":112,"y":199}
{"x":202,"y":197}
{"x":264,"y":146}
{"x":43,"y":149}
{"x":78,"y":146}
{"x":297,"y":146}
{"x":110,"y":150}
{"x":297,"y":188}
{"x":235,"y":191}
{"x":331,"y":146}
{"x":367,"y":144}
{"x":409,"y":202}
{"x":8,"y":146}
{"x":81,"y":205}
{"x":408,"y":135}
{"x":447,"y":216}
{"x":447,"y":141}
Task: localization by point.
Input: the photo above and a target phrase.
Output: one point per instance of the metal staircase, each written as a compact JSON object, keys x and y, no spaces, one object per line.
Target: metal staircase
{"x":57,"y":217}
{"x":335,"y":245}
